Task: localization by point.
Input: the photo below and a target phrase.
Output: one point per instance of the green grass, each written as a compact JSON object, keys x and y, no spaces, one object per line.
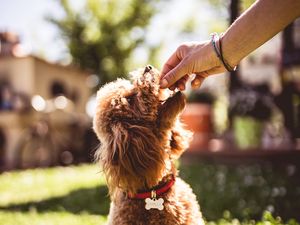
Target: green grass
{"x":49,"y":218}
{"x":63,"y":195}
{"x":77,"y":195}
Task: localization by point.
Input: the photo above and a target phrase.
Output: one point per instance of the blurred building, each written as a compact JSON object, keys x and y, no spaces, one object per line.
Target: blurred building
{"x":42,"y":109}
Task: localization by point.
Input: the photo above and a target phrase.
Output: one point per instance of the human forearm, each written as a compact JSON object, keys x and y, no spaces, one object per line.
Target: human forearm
{"x":254,"y":27}
{"x":259,"y":23}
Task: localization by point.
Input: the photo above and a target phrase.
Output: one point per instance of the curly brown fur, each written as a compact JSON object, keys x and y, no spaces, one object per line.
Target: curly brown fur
{"x":140,"y":135}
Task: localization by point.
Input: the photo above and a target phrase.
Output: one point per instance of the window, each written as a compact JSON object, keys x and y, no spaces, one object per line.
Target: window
{"x":58,"y":88}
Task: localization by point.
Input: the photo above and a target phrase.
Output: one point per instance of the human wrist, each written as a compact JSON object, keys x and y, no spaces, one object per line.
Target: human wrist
{"x":230,"y":51}
{"x":213,"y":57}
{"x":216,"y":42}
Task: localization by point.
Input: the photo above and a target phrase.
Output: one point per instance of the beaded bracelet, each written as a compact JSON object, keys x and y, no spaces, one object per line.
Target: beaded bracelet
{"x":214,"y":39}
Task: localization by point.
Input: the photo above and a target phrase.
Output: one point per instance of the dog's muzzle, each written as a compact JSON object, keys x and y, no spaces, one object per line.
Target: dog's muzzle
{"x":148,"y":69}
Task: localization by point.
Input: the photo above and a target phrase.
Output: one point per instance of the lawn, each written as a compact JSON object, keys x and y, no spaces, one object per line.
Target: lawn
{"x":75,"y":195}
{"x":64,"y":195}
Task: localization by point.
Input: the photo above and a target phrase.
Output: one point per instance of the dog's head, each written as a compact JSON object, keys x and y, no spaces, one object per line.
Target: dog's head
{"x":138,"y":129}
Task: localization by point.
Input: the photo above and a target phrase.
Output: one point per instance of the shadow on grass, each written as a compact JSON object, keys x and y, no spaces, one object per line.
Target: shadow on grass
{"x":93,"y":201}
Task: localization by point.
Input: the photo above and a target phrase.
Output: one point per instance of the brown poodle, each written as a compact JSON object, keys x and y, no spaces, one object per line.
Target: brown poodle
{"x":140,"y":137}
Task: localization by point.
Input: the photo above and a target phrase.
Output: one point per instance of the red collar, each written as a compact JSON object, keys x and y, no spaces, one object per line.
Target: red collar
{"x":158,"y":191}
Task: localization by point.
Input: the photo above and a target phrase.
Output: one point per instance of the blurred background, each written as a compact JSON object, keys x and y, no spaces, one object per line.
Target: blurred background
{"x":244,"y":159}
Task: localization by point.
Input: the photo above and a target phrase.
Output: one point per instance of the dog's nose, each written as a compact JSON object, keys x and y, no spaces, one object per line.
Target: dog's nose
{"x":147,"y":68}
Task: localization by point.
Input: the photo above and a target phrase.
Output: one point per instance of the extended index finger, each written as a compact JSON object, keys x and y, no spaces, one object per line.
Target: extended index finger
{"x":171,"y":63}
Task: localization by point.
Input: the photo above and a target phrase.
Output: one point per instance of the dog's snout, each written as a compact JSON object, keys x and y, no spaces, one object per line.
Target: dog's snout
{"x":147,"y":69}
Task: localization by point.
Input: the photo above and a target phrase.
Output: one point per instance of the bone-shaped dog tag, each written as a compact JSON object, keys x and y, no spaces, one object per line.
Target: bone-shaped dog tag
{"x":154,"y":203}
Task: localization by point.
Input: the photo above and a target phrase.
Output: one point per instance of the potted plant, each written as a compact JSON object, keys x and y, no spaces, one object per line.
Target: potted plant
{"x":250,"y":107}
{"x":198,"y":118}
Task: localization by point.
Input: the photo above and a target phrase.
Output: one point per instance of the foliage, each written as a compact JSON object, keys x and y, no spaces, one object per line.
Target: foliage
{"x":102,"y":36}
{"x":247,"y":132}
{"x":200,"y":97}
{"x":267,"y":219}
{"x":246,"y":190}
{"x":244,"y":4}
{"x":252,"y":101}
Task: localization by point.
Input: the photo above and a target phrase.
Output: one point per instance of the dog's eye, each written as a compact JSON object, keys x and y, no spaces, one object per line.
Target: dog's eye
{"x":130,"y":99}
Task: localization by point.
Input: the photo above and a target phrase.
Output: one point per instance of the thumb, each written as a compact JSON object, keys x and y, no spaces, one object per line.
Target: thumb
{"x":174,"y":75}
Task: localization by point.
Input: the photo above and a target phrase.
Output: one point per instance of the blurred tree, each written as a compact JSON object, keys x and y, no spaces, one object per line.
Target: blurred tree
{"x":220,"y":3}
{"x":102,"y":36}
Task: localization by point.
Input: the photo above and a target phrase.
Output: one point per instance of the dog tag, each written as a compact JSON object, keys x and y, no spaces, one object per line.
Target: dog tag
{"x":154,"y":203}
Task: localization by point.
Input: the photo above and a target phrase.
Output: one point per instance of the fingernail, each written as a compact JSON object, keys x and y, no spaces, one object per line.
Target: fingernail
{"x":197,"y":82}
{"x":163,"y":83}
{"x":181,"y":87}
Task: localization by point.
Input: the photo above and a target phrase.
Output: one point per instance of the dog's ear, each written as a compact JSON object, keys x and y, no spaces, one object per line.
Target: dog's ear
{"x":132,"y":158}
{"x":180,"y":139}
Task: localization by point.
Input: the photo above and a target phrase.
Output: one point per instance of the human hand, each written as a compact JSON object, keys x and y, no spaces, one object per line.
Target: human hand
{"x":190,"y":58}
